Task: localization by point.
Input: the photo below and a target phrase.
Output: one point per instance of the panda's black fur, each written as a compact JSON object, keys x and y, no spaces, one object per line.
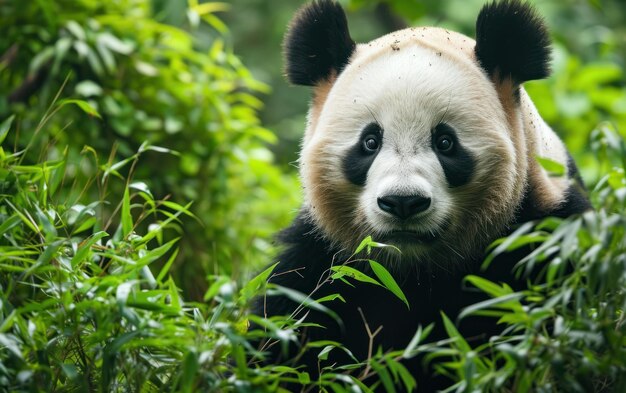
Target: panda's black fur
{"x":318,"y":43}
{"x":512,"y":45}
{"x":512,"y":40}
{"x":576,"y":200}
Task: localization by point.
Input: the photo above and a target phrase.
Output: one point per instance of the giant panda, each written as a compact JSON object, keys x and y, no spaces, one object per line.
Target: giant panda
{"x":425,"y":140}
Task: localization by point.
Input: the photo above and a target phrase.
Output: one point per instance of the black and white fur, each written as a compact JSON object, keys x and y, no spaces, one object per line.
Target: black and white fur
{"x":424,"y":139}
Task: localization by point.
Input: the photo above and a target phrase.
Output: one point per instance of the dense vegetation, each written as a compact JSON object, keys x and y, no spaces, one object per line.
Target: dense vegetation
{"x":138,"y":193}
{"x":153,"y":83}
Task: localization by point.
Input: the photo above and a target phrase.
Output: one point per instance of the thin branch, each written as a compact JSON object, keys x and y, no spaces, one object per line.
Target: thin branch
{"x":370,"y":346}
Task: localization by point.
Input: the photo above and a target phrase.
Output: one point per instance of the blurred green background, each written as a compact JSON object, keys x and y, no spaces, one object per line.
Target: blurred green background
{"x":205,"y":80}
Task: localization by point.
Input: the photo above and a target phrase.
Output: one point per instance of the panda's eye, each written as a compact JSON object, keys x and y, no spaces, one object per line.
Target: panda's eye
{"x":444,"y":143}
{"x":370,"y":143}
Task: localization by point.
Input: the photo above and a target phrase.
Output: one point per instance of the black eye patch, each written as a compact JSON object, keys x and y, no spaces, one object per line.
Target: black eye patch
{"x":360,"y":157}
{"x":456,"y":161}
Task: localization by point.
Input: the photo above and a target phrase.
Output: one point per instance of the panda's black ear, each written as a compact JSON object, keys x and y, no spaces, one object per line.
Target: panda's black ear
{"x":512,"y":42}
{"x":317,"y":43}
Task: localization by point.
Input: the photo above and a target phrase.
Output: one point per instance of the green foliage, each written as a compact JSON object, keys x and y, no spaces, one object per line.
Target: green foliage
{"x":80,"y":307}
{"x":566,"y":332}
{"x":579,"y":97}
{"x":385,"y":279}
{"x":127,"y":79}
{"x":84,"y":305}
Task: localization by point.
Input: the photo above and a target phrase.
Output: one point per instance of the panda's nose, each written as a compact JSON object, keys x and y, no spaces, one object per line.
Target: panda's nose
{"x":403,"y":206}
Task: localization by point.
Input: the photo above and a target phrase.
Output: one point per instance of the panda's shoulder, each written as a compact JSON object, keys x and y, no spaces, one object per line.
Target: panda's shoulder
{"x":304,"y":254}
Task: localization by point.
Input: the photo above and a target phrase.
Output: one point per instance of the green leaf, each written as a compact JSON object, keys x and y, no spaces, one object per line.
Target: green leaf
{"x":123,"y":291}
{"x":126,"y":217}
{"x":57,"y":173}
{"x":493,"y":289}
{"x":11,"y":343}
{"x":304,"y":378}
{"x":92,"y":58}
{"x":214,"y":288}
{"x":398,"y":369}
{"x":85,"y":247}
{"x":70,"y":370}
{"x":155,"y":230}
{"x":111,"y":351}
{"x":158,"y":149}
{"x":388,"y":281}
{"x":5,"y":127}
{"x":323,"y":355}
{"x":384,"y":376}
{"x":330,"y":298}
{"x":83,"y":105}
{"x":364,"y":243}
{"x":211,"y":7}
{"x":367,"y":244}
{"x":88,"y":88}
{"x":86,"y":224}
{"x":173,"y":291}
{"x":8,"y":321}
{"x":506,"y":243}
{"x":107,"y":57}
{"x":553,"y":167}
{"x":419,"y":336}
{"x":506,"y":303}
{"x":167,"y":265}
{"x":252,"y":287}
{"x":306,"y":301}
{"x":40,"y":59}
{"x":347,"y":271}
{"x":49,"y":253}
{"x":9,"y":223}
{"x":155,"y":253}
{"x":115,"y":44}
{"x":179,"y":208}
{"x":454,"y":334}
{"x":77,"y":30}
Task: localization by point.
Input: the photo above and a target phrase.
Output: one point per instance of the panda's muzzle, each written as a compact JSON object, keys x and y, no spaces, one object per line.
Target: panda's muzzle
{"x":403,"y":206}
{"x":409,"y":237}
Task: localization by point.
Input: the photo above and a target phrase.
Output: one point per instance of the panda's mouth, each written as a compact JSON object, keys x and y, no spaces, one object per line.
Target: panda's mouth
{"x":405,"y":236}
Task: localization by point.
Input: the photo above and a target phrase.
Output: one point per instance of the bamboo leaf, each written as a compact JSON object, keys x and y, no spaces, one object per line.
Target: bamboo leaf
{"x":5,"y":126}
{"x":347,"y":271}
{"x":553,"y":167}
{"x":487,"y":286}
{"x":251,"y":288}
{"x":85,"y":248}
{"x":454,"y":334}
{"x":83,"y":105}
{"x":388,"y":281}
{"x":505,"y":303}
{"x":364,"y":243}
{"x":126,"y":217}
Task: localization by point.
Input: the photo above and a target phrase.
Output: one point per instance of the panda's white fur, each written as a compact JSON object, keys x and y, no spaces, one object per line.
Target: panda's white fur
{"x":409,"y":81}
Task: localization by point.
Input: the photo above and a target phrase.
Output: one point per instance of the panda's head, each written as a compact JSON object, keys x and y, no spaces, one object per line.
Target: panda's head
{"x":417,"y":138}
